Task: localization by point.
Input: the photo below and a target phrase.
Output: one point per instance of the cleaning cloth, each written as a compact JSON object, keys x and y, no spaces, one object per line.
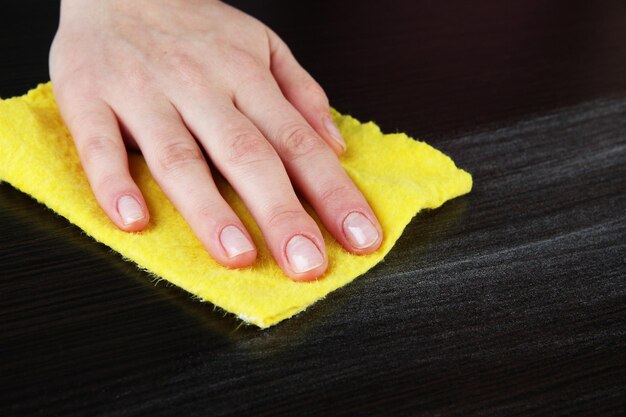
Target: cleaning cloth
{"x":398,"y":176}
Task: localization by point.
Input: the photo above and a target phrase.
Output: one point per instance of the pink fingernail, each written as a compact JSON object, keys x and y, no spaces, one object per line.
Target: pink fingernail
{"x":333,"y":131}
{"x":303,"y":255}
{"x":234,"y":241}
{"x":130,"y":210}
{"x":360,"y":231}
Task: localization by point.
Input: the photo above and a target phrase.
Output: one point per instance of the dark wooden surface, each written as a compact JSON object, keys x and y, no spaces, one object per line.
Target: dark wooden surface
{"x":509,"y":301}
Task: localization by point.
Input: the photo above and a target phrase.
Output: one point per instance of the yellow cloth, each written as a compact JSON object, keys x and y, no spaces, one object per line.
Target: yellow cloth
{"x":398,"y":176}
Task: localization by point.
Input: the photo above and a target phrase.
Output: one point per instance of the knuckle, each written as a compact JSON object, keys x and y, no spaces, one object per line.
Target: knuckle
{"x":251,"y":77}
{"x":94,"y":148}
{"x":74,"y":84}
{"x":297,"y":141}
{"x":335,"y":193}
{"x":208,"y":209}
{"x":87,"y":115}
{"x":177,"y":154}
{"x":247,"y":70}
{"x":188,"y":69}
{"x":243,"y":59}
{"x":283,"y":214}
{"x":249,"y":148}
{"x":138,"y":77}
{"x":110,"y":181}
{"x":313,"y":89}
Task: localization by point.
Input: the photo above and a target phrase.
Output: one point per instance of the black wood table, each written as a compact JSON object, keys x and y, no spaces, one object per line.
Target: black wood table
{"x":508,"y":301}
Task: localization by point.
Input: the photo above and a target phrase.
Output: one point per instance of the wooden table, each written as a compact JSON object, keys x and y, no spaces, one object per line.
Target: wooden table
{"x":509,"y":301}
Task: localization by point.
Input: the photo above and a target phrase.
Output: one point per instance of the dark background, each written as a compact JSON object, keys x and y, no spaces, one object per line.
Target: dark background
{"x":508,"y":301}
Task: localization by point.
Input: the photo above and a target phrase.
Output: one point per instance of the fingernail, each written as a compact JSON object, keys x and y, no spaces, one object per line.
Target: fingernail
{"x":333,"y":131}
{"x":360,"y":230}
{"x":234,"y":241}
{"x":303,"y":255}
{"x":130,"y":210}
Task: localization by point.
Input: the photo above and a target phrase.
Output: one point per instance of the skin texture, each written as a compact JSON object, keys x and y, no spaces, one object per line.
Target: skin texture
{"x":175,"y":78}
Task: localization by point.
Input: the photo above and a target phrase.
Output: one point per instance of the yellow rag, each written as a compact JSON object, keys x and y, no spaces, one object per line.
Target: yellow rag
{"x":397,"y":175}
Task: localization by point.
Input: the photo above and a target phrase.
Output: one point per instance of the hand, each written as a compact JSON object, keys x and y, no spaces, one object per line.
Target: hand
{"x":172,"y":77}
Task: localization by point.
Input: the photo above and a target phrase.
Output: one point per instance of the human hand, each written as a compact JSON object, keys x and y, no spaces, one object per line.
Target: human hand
{"x":173,"y":77}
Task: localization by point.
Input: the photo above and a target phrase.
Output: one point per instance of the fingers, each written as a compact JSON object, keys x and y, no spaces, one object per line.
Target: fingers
{"x":180,"y":169}
{"x":103,"y":156}
{"x":306,"y":95}
{"x":252,"y":166}
{"x":313,"y":168}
